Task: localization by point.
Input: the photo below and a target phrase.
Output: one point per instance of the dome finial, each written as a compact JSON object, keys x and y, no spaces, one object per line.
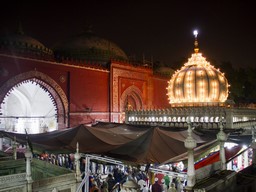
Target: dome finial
{"x":196,"y":49}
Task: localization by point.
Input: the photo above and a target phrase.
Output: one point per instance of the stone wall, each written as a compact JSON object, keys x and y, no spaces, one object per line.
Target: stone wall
{"x":13,"y":183}
{"x":46,"y":177}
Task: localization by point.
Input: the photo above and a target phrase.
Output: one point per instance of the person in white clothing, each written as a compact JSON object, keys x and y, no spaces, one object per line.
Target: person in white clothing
{"x":145,"y":188}
{"x":164,"y":187}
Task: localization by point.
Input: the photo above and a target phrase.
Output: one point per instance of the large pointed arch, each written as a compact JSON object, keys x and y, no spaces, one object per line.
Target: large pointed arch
{"x":56,"y":92}
{"x":132,"y":94}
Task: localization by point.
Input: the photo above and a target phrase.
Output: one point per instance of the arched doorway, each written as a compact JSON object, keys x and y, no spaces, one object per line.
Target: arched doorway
{"x":33,"y":102}
{"x":131,"y":99}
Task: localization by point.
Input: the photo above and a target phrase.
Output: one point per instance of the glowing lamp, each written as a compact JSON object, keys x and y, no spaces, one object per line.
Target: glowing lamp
{"x":195,"y":32}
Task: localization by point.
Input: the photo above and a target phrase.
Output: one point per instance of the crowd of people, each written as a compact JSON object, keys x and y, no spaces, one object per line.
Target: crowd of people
{"x":62,"y":160}
{"x":141,"y":182}
{"x":111,"y":178}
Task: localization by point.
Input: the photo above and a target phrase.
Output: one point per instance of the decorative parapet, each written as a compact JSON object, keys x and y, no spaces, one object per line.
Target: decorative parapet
{"x":12,"y":178}
{"x":13,"y":181}
{"x":206,"y":117}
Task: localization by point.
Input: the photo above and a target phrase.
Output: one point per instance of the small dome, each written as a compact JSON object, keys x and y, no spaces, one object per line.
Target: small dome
{"x":165,"y":71}
{"x":197,"y":82}
{"x":89,"y":47}
{"x":23,"y":45}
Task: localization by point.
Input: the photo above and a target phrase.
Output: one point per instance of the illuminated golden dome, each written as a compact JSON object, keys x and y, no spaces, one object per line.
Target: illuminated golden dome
{"x":197,"y":83}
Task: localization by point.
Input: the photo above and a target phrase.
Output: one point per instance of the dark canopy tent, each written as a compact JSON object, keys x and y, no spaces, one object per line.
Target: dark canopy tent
{"x":133,"y":143}
{"x":158,"y":145}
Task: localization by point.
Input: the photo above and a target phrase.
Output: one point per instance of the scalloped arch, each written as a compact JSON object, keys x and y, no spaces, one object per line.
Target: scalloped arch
{"x":56,"y":92}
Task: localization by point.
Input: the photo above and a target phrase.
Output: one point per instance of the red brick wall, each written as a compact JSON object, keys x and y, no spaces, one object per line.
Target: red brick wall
{"x":87,"y":89}
{"x":160,"y":99}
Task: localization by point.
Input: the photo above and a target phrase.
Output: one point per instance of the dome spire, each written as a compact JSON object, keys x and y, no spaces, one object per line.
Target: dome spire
{"x":196,"y":48}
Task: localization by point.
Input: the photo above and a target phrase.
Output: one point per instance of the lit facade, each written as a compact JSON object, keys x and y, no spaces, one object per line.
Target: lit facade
{"x":82,"y":79}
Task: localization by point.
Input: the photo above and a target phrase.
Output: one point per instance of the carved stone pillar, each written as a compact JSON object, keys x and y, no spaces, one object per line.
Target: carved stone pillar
{"x":77,"y":163}
{"x":190,"y":144}
{"x":222,"y":137}
{"x":28,"y":155}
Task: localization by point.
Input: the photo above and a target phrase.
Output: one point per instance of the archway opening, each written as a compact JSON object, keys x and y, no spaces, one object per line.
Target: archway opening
{"x":131,"y":99}
{"x":28,"y":106}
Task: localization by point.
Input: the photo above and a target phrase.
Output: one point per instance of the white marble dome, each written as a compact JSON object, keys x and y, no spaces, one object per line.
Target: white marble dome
{"x":197,"y":83}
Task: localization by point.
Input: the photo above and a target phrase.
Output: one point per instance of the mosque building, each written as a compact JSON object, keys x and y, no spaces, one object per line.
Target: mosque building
{"x":85,"y":79}
{"x":81,"y":80}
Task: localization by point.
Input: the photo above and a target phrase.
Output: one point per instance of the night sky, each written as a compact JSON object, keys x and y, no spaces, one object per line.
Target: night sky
{"x":162,"y":30}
